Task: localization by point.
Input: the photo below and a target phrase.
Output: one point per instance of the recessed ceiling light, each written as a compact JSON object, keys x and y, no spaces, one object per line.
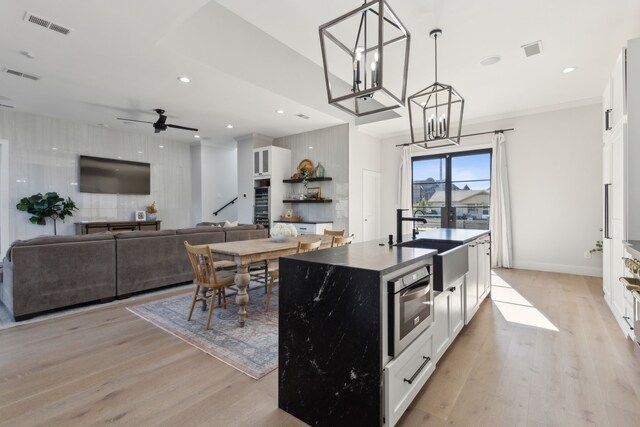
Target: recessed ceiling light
{"x":490,"y":60}
{"x":184,"y":79}
{"x":54,"y":148}
{"x":229,"y":126}
{"x":27,"y":54}
{"x":139,"y":152}
{"x":310,"y":148}
{"x":280,"y":111}
{"x":161,"y":146}
{"x":196,"y":136}
{"x":120,"y":157}
{"x":569,"y":70}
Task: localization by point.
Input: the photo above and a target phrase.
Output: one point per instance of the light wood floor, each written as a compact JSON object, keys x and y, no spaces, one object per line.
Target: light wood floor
{"x":110,"y":367}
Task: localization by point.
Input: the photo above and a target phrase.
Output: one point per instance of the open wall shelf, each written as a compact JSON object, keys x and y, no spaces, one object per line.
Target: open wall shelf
{"x":293,"y":181}
{"x":308,"y":201}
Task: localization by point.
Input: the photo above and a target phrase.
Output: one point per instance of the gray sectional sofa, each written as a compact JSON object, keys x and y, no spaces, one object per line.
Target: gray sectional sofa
{"x":51,"y":272}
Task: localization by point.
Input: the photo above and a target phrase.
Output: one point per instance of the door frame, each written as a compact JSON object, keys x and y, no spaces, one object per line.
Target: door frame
{"x":5,"y":197}
{"x":445,"y":220}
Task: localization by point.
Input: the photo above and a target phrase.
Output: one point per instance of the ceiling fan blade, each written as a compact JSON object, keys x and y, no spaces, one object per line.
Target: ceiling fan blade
{"x":131,"y":120}
{"x":181,"y":127}
{"x":157,"y":130}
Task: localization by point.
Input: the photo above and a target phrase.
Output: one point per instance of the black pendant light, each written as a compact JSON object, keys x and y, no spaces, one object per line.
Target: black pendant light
{"x":432,"y":108}
{"x":365,"y":54}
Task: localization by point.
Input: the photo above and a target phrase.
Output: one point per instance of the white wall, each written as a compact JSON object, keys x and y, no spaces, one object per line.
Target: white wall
{"x":555,"y":174}
{"x":5,"y":236}
{"x":364,"y":154}
{"x":245,"y":180}
{"x":36,"y":167}
{"x":196,"y":183}
{"x":219,"y":181}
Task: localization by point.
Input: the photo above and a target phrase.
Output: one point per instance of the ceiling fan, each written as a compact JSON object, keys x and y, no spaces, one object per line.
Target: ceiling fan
{"x":160,"y":125}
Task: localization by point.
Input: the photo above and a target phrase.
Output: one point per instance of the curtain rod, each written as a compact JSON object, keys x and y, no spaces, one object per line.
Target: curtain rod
{"x":461,"y":136}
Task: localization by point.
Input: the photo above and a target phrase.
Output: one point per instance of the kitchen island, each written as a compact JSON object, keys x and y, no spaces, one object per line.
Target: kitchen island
{"x":337,"y":364}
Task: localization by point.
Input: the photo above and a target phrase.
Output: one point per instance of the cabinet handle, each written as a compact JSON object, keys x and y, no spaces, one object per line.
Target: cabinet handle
{"x":413,"y":377}
{"x":626,"y":319}
{"x":472,"y":246}
{"x":452,"y":289}
{"x":607,"y":119}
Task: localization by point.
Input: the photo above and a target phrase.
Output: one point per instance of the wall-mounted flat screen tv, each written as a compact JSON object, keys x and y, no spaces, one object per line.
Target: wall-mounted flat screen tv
{"x":98,"y":175}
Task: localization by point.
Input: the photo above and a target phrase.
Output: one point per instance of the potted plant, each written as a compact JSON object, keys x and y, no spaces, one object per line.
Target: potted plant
{"x":152,"y":212}
{"x":49,"y":205}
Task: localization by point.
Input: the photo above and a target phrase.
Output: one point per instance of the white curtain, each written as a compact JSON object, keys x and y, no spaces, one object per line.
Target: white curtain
{"x":500,"y":212}
{"x":405,"y":182}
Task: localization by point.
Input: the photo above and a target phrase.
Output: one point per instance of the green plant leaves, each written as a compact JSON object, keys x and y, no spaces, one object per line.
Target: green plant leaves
{"x":49,"y":205}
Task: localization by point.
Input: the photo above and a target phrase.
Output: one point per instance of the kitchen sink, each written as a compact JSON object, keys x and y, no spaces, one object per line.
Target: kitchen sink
{"x":450,"y":264}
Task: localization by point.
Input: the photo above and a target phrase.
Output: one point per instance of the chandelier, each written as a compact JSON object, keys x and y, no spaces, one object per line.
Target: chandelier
{"x":431,"y":110}
{"x":365,"y":55}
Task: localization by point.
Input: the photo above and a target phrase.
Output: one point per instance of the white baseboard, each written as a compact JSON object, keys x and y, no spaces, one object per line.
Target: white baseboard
{"x":559,"y":268}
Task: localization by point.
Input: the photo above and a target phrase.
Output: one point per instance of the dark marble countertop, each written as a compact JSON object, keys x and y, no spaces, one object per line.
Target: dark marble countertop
{"x":305,"y":222}
{"x":449,"y":235}
{"x":375,"y":255}
{"x":634,"y":247}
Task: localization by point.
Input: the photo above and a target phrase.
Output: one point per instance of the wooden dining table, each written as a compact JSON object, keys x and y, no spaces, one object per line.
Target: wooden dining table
{"x":246,"y":252}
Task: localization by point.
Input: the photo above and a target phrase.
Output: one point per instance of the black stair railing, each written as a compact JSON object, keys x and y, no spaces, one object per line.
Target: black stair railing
{"x":230,"y":203}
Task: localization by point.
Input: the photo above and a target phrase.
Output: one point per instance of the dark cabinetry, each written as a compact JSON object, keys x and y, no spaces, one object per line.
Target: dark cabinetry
{"x":116,"y":226}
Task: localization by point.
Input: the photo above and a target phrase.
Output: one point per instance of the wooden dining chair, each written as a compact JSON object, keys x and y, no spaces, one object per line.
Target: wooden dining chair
{"x":274,"y":271}
{"x":341,"y":241}
{"x":206,"y":278}
{"x":338,"y":233}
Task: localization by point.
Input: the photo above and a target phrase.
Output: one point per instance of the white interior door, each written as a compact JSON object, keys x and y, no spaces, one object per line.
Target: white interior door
{"x":370,"y":205}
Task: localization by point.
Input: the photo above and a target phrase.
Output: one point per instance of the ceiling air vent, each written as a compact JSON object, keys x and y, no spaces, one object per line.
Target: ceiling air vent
{"x":302,"y":116}
{"x":46,"y":23}
{"x":532,"y":49}
{"x":20,"y":74}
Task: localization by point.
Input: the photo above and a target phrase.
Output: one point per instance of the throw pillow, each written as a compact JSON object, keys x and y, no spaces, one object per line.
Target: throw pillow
{"x":231,"y":224}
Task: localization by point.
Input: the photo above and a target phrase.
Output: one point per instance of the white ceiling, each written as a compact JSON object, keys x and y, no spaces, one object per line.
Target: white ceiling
{"x":247,"y":58}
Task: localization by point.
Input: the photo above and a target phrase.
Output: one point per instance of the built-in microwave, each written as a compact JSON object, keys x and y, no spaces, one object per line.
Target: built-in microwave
{"x":410,"y":302}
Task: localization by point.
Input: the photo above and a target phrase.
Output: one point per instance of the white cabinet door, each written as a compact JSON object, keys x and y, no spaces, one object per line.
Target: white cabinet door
{"x":456,"y":309}
{"x":606,"y":269}
{"x":618,"y":89}
{"x":607,"y":125}
{"x":618,"y":174}
{"x":405,"y":376}
{"x":471,"y":284}
{"x":617,"y":270}
{"x":441,"y":325}
{"x":262,"y":162}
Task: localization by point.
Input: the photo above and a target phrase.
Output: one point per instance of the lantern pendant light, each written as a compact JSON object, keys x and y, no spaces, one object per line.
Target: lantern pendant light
{"x":432,"y":108}
{"x":365,"y":56}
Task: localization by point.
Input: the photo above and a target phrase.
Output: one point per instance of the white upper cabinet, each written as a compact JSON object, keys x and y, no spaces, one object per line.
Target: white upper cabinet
{"x":262,"y":162}
{"x":618,"y":90}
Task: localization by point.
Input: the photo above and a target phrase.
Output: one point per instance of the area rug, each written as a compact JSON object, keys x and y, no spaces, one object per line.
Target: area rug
{"x":252,"y":350}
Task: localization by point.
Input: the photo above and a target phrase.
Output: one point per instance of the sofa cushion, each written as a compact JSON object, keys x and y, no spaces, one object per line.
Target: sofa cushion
{"x":199,"y":230}
{"x":209,"y":224}
{"x":241,"y":227}
{"x":51,"y":240}
{"x":138,"y":234}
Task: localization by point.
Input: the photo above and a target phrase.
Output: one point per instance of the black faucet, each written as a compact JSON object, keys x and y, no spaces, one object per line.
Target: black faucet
{"x":400,"y":218}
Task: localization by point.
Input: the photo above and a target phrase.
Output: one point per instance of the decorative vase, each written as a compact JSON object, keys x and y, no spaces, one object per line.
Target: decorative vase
{"x":280,"y":238}
{"x":151,"y":217}
{"x":320,"y":170}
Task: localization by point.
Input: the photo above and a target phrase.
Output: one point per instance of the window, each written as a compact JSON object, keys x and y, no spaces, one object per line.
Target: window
{"x":453,"y":190}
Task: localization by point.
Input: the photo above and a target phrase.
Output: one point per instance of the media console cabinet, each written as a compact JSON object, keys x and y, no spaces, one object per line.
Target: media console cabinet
{"x":91,"y":227}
